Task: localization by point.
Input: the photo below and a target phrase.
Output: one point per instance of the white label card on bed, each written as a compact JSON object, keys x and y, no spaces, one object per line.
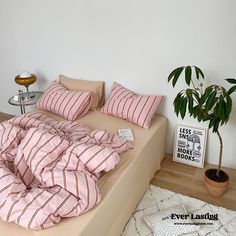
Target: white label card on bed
{"x":126,"y":134}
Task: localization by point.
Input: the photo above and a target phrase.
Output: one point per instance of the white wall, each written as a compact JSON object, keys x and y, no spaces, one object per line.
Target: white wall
{"x":134,"y":42}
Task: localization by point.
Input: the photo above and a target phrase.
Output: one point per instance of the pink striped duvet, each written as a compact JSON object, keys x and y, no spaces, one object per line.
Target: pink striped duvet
{"x":49,"y":169}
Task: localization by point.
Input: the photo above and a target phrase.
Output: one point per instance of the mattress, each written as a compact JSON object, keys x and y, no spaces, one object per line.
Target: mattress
{"x":121,"y":188}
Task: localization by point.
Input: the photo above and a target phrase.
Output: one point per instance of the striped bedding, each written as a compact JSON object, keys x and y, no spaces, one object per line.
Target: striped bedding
{"x":49,"y":169}
{"x":125,"y":104}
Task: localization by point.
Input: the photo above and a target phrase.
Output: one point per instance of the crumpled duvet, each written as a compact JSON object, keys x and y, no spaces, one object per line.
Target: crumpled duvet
{"x":49,"y":169}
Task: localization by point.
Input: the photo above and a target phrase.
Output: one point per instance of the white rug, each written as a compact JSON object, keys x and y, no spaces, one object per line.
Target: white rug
{"x":156,"y":199}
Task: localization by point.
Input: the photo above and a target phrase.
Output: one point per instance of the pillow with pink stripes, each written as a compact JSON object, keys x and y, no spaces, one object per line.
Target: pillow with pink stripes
{"x":138,"y":109}
{"x":69,"y":104}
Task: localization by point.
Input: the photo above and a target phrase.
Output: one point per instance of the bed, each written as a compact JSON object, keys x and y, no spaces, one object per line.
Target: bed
{"x":121,"y":188}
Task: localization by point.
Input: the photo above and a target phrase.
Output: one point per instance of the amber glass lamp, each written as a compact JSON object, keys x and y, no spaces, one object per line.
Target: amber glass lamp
{"x":26,"y":79}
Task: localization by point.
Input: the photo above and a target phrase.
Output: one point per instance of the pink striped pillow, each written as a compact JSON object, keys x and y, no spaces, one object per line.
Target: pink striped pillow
{"x":69,"y":104}
{"x":127,"y":105}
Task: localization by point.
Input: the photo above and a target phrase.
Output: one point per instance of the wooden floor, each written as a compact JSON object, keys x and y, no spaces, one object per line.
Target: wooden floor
{"x":189,"y":181}
{"x":4,"y":116}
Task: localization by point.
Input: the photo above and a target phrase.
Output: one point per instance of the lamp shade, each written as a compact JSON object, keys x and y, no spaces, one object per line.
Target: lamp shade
{"x":25,"y":78}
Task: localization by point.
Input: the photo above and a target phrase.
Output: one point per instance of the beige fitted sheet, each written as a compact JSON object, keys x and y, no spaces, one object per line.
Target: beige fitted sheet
{"x":121,"y":188}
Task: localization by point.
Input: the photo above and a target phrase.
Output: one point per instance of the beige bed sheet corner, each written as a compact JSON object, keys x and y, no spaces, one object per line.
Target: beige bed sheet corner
{"x":121,"y":189}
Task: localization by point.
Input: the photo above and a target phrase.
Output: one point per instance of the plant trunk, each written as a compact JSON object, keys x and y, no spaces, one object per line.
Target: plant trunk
{"x":220,"y":155}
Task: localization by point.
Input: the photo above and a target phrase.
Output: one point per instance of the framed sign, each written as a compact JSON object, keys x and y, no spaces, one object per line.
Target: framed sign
{"x":190,"y":145}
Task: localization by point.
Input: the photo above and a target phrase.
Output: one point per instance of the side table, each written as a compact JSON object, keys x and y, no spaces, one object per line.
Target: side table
{"x":25,"y":99}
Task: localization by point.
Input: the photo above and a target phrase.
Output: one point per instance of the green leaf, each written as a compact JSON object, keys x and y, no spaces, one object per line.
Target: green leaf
{"x":195,"y":111}
{"x":232,"y":90}
{"x":219,"y":108}
{"x":231,"y":81}
{"x":183,"y":108}
{"x":198,"y":72}
{"x":228,"y":104}
{"x":189,"y":94}
{"x":210,"y":101}
{"x":176,"y":76}
{"x":227,"y":107}
{"x":188,"y":74}
{"x":190,"y":105}
{"x":214,"y":123}
{"x":196,"y":95}
{"x":211,"y":122}
{"x":177,"y":103}
{"x":205,"y":117}
{"x":199,"y":117}
{"x":172,"y":74}
{"x":203,"y":98}
{"x":225,"y":110}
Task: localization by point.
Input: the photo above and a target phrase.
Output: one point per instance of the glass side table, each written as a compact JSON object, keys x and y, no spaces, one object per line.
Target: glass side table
{"x":25,"y":99}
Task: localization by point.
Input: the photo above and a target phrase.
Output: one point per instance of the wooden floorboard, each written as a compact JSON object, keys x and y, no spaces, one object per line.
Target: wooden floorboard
{"x":189,"y":181}
{"x":4,"y":116}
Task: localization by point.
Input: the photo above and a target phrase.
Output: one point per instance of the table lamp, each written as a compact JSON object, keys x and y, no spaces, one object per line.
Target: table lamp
{"x":26,"y":79}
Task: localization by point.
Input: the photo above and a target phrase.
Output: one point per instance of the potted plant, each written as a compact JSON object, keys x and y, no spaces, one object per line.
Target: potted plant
{"x":212,"y":104}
